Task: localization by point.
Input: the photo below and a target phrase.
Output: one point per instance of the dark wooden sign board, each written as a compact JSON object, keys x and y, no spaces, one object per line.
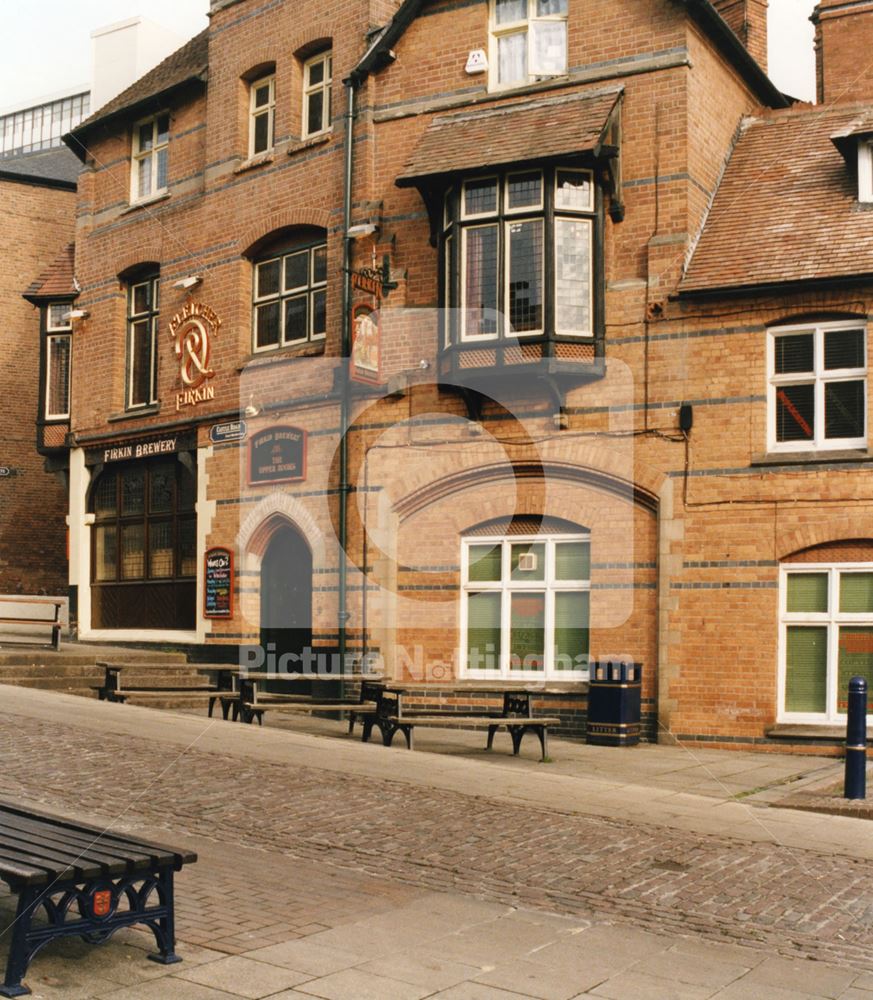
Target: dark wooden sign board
{"x":218,"y":583}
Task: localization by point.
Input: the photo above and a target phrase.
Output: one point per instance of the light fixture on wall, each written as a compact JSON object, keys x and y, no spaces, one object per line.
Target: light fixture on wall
{"x":77,"y":314}
{"x":364,"y":229}
{"x":252,"y":410}
{"x":188,"y":282}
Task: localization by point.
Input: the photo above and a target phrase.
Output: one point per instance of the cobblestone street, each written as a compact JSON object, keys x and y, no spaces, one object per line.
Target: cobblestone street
{"x":288,"y":851}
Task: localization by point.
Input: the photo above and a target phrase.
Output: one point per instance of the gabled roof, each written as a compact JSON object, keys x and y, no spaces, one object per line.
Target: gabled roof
{"x":57,"y":281}
{"x":786,"y":210}
{"x":185,"y":66}
{"x":512,"y":133}
{"x":378,"y":54}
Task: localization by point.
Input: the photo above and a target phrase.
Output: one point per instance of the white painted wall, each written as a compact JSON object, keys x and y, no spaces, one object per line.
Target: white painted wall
{"x":123,"y":52}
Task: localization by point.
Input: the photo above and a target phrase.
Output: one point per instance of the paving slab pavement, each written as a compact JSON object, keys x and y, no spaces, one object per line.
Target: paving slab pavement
{"x":342,"y":870}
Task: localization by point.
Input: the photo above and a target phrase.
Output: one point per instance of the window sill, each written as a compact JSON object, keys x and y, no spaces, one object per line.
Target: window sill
{"x":812,"y":457}
{"x":146,"y":202}
{"x":809,"y":731}
{"x":467,"y":685}
{"x":308,"y":350}
{"x":261,"y":160}
{"x":145,"y":411}
{"x":530,"y":86}
{"x":311,"y":143}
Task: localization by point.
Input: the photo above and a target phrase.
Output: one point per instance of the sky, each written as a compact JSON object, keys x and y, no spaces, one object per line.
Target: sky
{"x":39,"y":63}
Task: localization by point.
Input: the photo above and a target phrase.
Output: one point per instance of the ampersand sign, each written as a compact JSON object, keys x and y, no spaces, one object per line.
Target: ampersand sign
{"x":194,"y":348}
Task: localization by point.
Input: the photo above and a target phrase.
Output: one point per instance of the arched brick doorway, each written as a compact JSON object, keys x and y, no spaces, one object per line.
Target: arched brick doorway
{"x":286,"y":594}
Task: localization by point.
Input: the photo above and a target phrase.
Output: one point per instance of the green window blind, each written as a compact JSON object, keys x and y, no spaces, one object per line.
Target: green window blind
{"x":572,"y":612}
{"x":572,"y":560}
{"x":855,"y":660}
{"x":485,"y":563}
{"x":856,"y":592}
{"x":483,"y":631}
{"x":806,"y":669}
{"x":808,"y":592}
{"x":527,"y":631}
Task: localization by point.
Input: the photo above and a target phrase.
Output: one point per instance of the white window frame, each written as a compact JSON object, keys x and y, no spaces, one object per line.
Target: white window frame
{"x":138,"y":156}
{"x":310,"y":290}
{"x":832,"y":619}
{"x":268,"y":109}
{"x":326,"y":86}
{"x":865,"y":170}
{"x":819,"y":377}
{"x":522,"y":209}
{"x":497,"y":31}
{"x":506,"y":587}
{"x":56,"y":332}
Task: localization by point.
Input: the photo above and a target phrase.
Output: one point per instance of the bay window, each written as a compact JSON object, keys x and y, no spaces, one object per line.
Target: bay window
{"x":519,"y":256}
{"x":826,"y":638}
{"x":59,"y":346}
{"x":526,"y":607}
{"x":528,"y":41}
{"x":817,"y":391}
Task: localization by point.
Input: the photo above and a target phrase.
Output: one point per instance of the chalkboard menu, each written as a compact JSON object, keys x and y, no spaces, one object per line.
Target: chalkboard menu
{"x":277,"y":455}
{"x":218,"y":590}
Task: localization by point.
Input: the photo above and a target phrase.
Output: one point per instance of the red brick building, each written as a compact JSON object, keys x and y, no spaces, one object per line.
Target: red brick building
{"x":37,"y":185}
{"x":474,"y":338}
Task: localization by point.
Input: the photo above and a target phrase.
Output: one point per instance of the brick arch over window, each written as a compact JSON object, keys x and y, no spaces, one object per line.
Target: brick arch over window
{"x":146,"y":260}
{"x":834,"y":532}
{"x":273,"y":226}
{"x":262,"y":522}
{"x":304,"y":45}
{"x":858,"y":550}
{"x":258,"y":64}
{"x":525,"y":524}
{"x":546,"y":471}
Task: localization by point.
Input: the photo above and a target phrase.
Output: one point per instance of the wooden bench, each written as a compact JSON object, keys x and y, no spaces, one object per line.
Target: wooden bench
{"x":516,"y":717}
{"x":23,"y":619}
{"x":253,"y":703}
{"x":221,"y":691}
{"x":85,"y":882}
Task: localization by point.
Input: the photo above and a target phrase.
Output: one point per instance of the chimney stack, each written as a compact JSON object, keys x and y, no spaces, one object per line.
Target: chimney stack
{"x":748,"y":21}
{"x":843,"y":42}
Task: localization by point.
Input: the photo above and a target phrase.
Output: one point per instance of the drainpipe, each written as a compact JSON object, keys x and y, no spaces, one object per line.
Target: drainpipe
{"x":345,"y":401}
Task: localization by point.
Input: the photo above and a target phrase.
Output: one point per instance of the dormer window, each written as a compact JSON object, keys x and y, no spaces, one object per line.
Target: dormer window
{"x":865,"y":170}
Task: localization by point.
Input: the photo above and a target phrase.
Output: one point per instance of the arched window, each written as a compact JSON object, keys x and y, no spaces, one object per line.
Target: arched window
{"x":289,"y":302}
{"x":525,"y":610}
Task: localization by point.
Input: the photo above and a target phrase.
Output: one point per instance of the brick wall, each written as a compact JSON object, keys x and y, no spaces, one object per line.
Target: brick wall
{"x":37,"y":225}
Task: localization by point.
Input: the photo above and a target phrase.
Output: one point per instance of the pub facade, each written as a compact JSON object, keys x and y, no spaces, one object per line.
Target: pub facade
{"x":467,"y":341}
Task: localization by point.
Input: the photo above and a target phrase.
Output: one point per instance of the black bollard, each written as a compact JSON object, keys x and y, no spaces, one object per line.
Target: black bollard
{"x":856,"y":741}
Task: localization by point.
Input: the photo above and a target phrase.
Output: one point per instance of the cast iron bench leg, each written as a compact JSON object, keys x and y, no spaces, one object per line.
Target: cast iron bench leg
{"x":516,"y":732}
{"x":16,"y":965}
{"x":164,"y":928}
{"x":491,"y":731}
{"x":543,"y":734}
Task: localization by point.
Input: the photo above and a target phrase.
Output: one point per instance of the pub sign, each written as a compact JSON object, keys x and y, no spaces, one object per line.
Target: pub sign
{"x":218,"y":583}
{"x":277,"y":455}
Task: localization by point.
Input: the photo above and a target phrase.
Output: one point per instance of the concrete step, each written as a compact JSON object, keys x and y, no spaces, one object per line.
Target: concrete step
{"x":169,"y":702}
